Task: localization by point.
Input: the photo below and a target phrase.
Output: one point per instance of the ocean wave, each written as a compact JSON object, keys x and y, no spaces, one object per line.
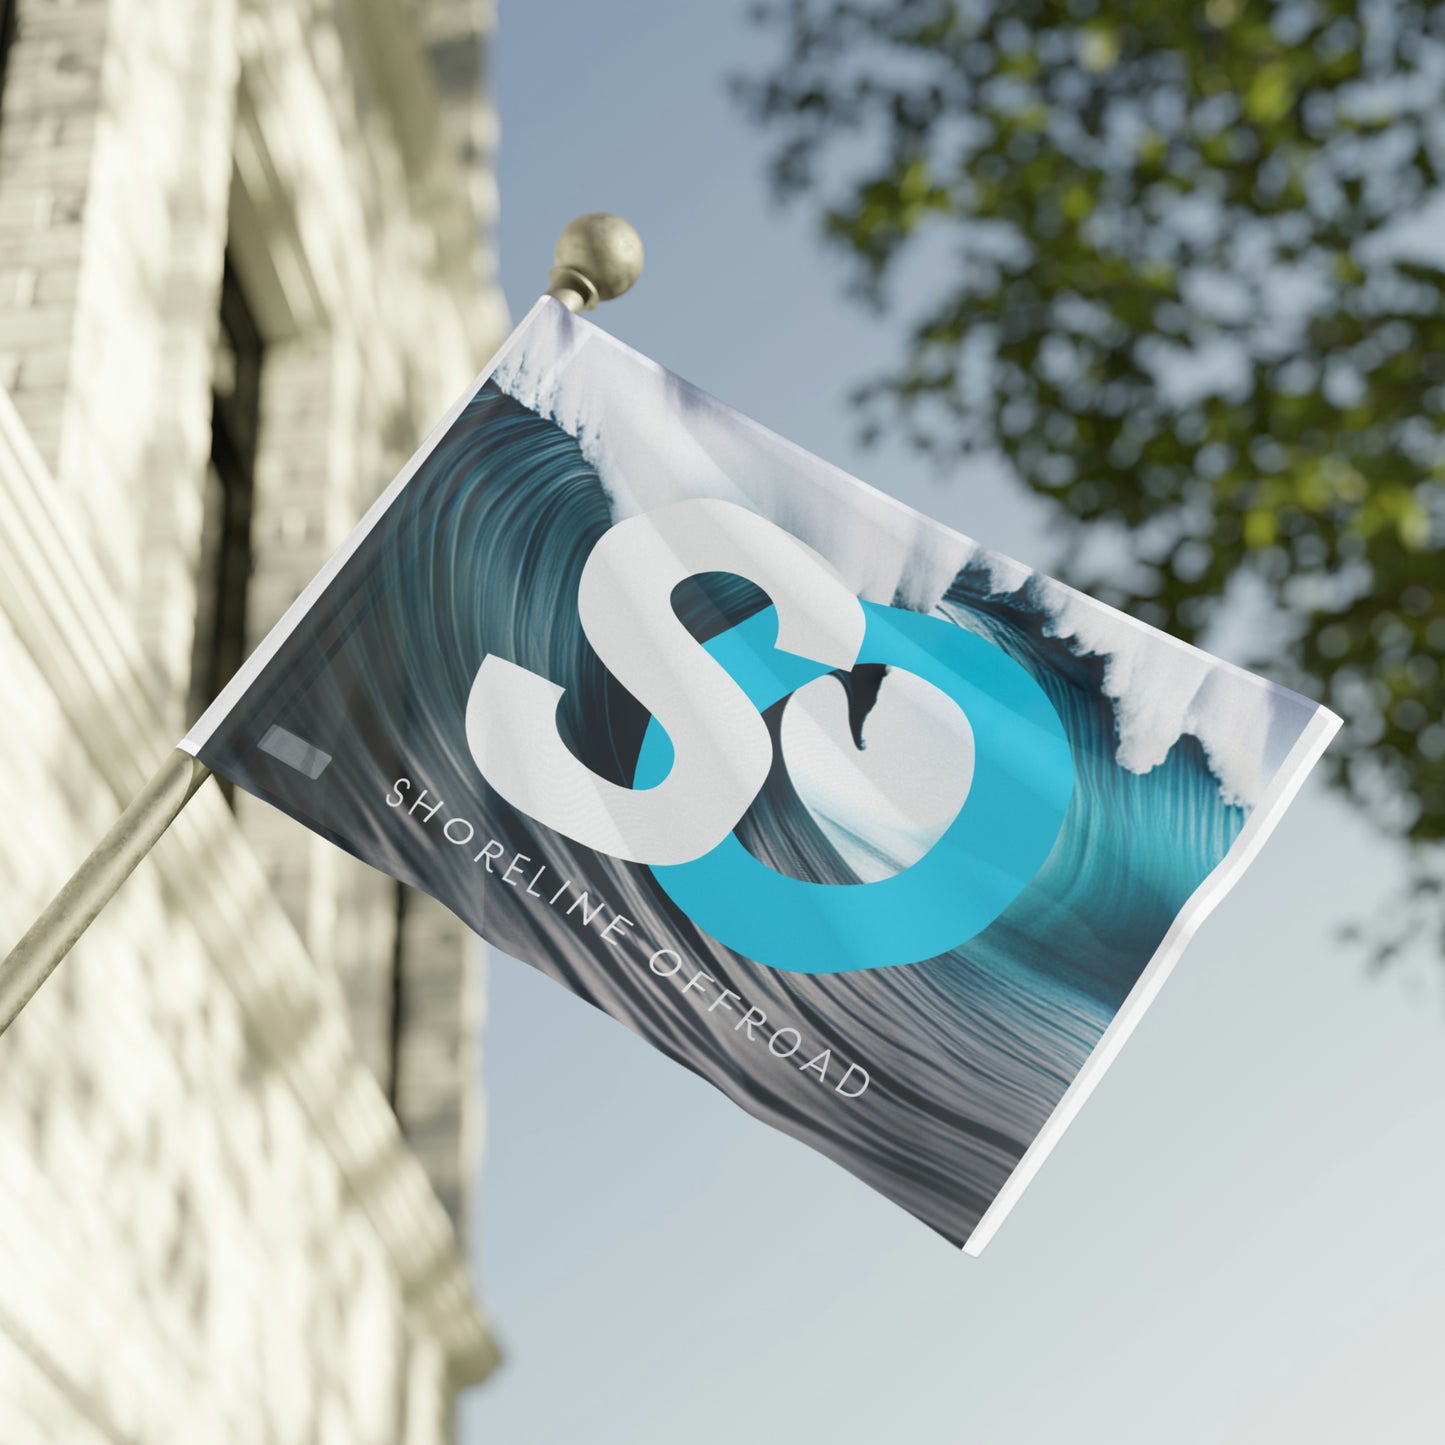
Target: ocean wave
{"x":968,"y":1053}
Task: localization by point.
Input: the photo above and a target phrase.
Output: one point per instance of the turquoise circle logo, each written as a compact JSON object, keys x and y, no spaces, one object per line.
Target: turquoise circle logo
{"x":1023,"y":779}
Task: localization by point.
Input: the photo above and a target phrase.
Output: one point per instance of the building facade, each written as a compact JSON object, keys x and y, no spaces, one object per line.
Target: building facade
{"x":245,"y":263}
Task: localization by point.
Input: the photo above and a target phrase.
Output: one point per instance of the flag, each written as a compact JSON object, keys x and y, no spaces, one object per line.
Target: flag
{"x":887,"y":836}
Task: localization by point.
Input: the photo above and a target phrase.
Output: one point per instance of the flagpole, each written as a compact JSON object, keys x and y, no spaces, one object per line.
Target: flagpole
{"x":598,"y":257}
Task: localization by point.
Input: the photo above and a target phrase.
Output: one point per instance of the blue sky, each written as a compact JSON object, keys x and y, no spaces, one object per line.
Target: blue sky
{"x":1239,"y":1238}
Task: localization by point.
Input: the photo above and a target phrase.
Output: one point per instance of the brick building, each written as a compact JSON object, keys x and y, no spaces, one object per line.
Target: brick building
{"x":244,"y":265}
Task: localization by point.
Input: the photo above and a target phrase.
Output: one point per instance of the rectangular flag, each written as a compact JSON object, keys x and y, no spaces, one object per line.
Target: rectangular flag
{"x":888,"y":837}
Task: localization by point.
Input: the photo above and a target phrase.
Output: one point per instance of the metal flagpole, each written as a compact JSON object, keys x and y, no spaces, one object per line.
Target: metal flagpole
{"x":597,"y":258}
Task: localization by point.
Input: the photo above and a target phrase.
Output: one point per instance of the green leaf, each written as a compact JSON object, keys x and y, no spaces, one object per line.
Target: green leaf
{"x":1271,"y":93}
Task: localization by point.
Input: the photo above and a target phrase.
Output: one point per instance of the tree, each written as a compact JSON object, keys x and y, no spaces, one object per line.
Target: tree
{"x":1195,"y":302}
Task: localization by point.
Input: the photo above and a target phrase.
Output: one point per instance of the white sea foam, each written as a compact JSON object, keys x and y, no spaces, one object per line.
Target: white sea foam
{"x":1163,"y":689}
{"x":654,"y":438}
{"x":670,"y":440}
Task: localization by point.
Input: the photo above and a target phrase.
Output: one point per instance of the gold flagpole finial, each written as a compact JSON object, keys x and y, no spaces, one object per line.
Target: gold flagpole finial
{"x":598,"y":257}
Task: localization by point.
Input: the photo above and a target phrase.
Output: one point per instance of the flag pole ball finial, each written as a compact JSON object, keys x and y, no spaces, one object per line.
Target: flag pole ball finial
{"x":598,"y":257}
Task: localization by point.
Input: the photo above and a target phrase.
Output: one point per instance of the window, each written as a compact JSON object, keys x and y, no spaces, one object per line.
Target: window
{"x":224,"y":573}
{"x":7,"y":37}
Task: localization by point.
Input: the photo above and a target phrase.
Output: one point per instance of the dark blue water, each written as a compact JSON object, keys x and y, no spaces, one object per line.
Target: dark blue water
{"x":968,"y":1053}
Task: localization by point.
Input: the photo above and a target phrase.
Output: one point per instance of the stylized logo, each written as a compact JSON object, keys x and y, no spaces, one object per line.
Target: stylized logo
{"x":707,"y":751}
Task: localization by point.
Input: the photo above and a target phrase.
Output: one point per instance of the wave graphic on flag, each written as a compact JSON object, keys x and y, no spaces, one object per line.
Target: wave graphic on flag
{"x":971,"y":1053}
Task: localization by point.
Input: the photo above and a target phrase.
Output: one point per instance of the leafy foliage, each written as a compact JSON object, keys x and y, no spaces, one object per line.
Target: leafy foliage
{"x":1195,"y":301}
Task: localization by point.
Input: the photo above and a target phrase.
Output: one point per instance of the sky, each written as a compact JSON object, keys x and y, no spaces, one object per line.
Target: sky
{"x":1239,"y":1238}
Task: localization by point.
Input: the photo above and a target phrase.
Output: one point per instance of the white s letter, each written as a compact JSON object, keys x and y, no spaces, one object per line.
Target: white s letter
{"x":721,"y":748}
